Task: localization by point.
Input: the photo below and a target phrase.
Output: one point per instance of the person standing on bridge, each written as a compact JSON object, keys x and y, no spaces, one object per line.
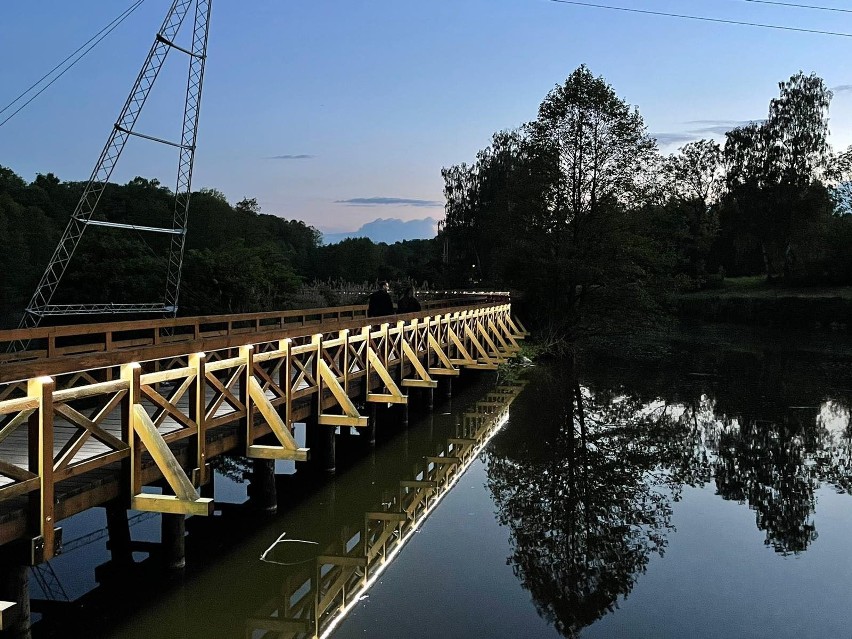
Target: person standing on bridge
{"x":380,"y":302}
{"x":408,"y":303}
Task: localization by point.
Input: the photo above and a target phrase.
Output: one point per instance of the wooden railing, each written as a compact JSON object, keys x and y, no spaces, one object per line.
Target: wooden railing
{"x":53,"y":350}
{"x":165,"y":414}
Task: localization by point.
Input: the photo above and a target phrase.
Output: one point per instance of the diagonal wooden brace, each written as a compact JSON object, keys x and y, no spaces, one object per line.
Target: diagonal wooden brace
{"x":423,"y":380}
{"x":496,"y":353}
{"x":185,"y":500}
{"x":497,"y":331}
{"x":508,"y":335}
{"x":448,"y":367}
{"x":350,"y":416}
{"x":521,"y":332}
{"x":394,"y":395}
{"x":486,"y":361}
{"x":465,"y":359}
{"x":288,"y":448}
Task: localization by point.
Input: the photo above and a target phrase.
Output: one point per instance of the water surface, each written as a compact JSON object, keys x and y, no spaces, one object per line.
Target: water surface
{"x":701,"y":493}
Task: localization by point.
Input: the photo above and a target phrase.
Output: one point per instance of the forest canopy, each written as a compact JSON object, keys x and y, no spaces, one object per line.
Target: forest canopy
{"x":577,"y":211}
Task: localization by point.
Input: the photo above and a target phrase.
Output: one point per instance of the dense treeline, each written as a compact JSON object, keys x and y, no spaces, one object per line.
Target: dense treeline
{"x":580,"y":210}
{"x":577,"y":209}
{"x":237,"y":258}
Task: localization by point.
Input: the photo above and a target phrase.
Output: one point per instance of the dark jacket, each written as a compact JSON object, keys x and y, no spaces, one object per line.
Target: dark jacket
{"x":408,"y":304}
{"x":380,"y":303}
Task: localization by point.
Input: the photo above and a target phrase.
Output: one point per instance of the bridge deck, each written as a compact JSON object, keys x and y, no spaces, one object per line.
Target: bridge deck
{"x":122,"y":410}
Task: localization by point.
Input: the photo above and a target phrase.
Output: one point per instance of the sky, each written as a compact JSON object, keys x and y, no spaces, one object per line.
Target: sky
{"x":343,"y":112}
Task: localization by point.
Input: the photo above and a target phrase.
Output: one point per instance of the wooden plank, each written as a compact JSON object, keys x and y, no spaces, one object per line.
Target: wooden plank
{"x":385,"y":398}
{"x":82,"y":392}
{"x":420,"y":383}
{"x":328,"y":419}
{"x":172,"y":505}
{"x":18,"y":404}
{"x":262,"y":451}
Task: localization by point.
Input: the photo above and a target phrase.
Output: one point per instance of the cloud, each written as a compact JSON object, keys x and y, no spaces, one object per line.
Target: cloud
{"x":301,"y":156}
{"x":389,"y":231}
{"x":388,"y":201}
{"x":669,"y":139}
{"x":731,"y":124}
{"x":841,"y":88}
{"x":707,"y":128}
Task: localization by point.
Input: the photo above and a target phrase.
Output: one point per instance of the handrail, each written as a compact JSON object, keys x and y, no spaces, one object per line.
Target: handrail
{"x":61,"y":349}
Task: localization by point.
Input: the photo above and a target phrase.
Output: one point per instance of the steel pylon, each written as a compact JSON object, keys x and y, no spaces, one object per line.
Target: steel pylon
{"x":40,"y":306}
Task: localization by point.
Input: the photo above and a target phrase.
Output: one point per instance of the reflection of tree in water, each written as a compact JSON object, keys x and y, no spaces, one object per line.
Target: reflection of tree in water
{"x":589,"y":508}
{"x":770,"y":435}
{"x":588,"y":500}
{"x":767,"y":466}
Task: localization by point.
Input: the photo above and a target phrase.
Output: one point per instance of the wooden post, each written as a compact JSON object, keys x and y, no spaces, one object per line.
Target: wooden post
{"x":173,"y":528}
{"x":41,"y":462}
{"x":118,"y":528}
{"x":262,"y":489}
{"x":329,"y":452}
{"x":371,"y":429}
{"x":14,"y":600}
{"x":197,"y":413}
{"x":131,"y":373}
{"x":431,"y":400}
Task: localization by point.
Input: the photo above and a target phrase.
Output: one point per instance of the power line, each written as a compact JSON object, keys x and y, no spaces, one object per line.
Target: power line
{"x":98,"y":37}
{"x":702,"y":18}
{"x":799,"y":6}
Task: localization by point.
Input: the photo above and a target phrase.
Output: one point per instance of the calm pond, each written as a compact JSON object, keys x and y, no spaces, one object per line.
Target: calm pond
{"x":699,"y":493}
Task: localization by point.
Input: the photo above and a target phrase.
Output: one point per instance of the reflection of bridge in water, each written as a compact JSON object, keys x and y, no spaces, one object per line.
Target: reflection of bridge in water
{"x":139,"y":404}
{"x":319,"y":590}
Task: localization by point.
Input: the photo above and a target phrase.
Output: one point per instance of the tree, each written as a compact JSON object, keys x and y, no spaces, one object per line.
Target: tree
{"x":775,"y":172}
{"x":695,"y":179}
{"x":600,"y":148}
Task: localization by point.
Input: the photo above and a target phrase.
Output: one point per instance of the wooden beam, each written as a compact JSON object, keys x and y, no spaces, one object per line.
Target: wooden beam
{"x":422,"y":380}
{"x":447,"y":368}
{"x":351,"y":416}
{"x":375,"y":363}
{"x":485,"y":356}
{"x":466,"y":359}
{"x":289,"y":449}
{"x":171,"y":504}
{"x":262,"y":451}
{"x":501,"y":356}
{"x":185,"y":500}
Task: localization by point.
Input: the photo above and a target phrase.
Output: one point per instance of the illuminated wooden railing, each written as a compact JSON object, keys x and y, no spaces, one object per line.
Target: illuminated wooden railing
{"x":317,"y":593}
{"x":160,"y":407}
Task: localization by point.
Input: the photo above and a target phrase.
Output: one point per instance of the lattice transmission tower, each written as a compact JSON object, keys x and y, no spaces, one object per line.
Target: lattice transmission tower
{"x":40,"y":305}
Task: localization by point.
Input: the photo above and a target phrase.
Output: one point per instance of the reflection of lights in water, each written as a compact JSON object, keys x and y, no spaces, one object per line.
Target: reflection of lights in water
{"x":360,"y":594}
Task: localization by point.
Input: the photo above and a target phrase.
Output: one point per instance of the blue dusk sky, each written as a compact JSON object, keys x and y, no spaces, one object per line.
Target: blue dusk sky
{"x":342,"y":112}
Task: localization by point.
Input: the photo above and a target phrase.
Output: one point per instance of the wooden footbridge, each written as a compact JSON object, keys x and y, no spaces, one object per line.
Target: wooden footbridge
{"x":132,"y":413}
